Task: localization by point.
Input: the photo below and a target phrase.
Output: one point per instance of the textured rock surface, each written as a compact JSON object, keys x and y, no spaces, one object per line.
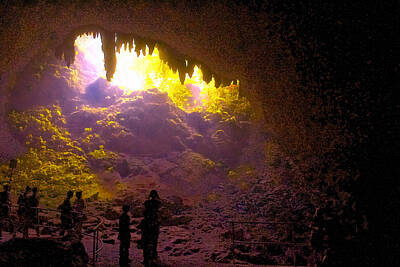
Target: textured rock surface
{"x":42,"y":252}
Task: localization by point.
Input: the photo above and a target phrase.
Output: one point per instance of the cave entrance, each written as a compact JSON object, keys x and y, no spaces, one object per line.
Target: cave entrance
{"x":144,"y":127}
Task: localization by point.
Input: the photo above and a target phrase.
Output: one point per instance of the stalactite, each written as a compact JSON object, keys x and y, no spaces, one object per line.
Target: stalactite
{"x":113,"y":42}
{"x":67,"y":51}
{"x":162,"y":53}
{"x":190,"y":68}
{"x":217,"y":80}
{"x":140,"y":45}
{"x":207,"y":75}
{"x":110,"y":60}
{"x":182,"y":75}
{"x":130,"y":43}
{"x":151,"y":45}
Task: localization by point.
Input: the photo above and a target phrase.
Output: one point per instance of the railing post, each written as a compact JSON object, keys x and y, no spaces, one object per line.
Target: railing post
{"x":233,"y":241}
{"x":97,"y":243}
{"x":94,"y":248}
{"x":294,"y":250}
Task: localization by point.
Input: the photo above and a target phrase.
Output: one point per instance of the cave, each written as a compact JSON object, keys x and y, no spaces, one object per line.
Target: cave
{"x":248,"y":111}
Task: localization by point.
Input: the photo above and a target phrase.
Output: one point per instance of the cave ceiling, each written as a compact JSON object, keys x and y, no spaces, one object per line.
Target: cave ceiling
{"x":228,"y":40}
{"x":292,"y":60}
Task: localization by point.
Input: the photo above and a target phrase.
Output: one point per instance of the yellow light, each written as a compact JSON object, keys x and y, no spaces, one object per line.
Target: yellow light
{"x":129,"y":73}
{"x":145,"y":72}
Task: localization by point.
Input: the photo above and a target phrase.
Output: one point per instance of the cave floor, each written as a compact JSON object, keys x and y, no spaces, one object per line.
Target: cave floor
{"x":194,"y":233}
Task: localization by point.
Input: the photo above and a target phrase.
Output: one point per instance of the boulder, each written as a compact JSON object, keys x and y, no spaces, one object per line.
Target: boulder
{"x":197,"y":121}
{"x":176,"y":220}
{"x":111,"y":214}
{"x":42,"y":252}
{"x":100,"y":93}
{"x":123,"y":168}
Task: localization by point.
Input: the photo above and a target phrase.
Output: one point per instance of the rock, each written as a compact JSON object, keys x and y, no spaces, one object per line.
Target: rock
{"x":179,"y":241}
{"x":155,"y":96}
{"x":46,"y":231}
{"x":137,"y":212}
{"x":176,"y":220}
{"x":187,"y":253}
{"x":239,"y":234}
{"x":176,"y":200}
{"x":111,"y":214}
{"x":42,"y":252}
{"x":104,"y":236}
{"x":194,"y":250}
{"x":81,"y":119}
{"x":196,"y":120}
{"x":109,"y":241}
{"x":221,"y":257}
{"x":123,"y":168}
{"x":100,"y":93}
{"x":93,"y":197}
{"x":167,"y":248}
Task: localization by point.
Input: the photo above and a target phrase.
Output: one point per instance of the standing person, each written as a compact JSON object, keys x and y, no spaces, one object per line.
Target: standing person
{"x":33,"y":205}
{"x":149,"y":227}
{"x":23,"y":212}
{"x":124,"y":237}
{"x":152,"y":205}
{"x":79,"y":213}
{"x":66,"y":213}
{"x":5,"y":206}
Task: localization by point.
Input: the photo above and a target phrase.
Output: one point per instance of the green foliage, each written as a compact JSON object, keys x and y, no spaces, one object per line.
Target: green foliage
{"x":241,"y":176}
{"x":226,"y":102}
{"x":55,"y":172}
{"x":178,"y":92}
{"x":102,"y":154}
{"x":54,"y":162}
{"x":43,"y":127}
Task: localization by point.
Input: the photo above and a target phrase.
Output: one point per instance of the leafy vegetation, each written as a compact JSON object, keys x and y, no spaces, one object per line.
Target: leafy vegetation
{"x":54,"y":162}
{"x":224,"y":101}
{"x":241,"y":176}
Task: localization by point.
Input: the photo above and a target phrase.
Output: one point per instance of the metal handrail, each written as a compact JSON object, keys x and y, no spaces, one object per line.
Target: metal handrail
{"x":292,"y":243}
{"x":98,"y":244}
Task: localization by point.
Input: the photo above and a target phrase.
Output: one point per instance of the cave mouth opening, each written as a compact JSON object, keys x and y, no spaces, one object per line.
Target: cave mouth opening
{"x":143,"y":69}
{"x":144,"y":128}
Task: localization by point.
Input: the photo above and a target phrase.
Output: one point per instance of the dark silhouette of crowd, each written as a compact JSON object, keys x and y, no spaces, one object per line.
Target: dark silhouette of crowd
{"x":72,"y":216}
{"x":27,"y":211}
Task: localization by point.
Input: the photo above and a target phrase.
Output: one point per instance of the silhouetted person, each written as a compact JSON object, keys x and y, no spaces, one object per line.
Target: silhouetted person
{"x":33,"y":208}
{"x":124,"y":236}
{"x":150,"y":228}
{"x":152,"y":205}
{"x":5,"y":206}
{"x":66,"y":213}
{"x":23,"y":211}
{"x":79,"y":213}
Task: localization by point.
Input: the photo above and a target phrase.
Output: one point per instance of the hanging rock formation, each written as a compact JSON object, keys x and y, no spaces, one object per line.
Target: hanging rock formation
{"x":113,"y":42}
